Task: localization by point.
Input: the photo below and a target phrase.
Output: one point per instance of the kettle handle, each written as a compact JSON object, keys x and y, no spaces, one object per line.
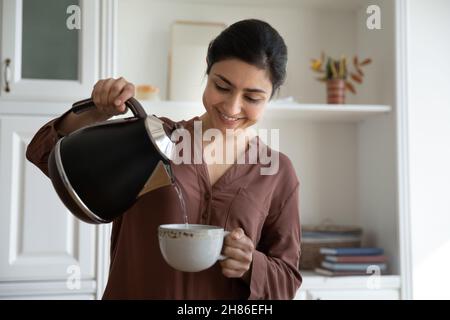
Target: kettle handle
{"x":86,"y":104}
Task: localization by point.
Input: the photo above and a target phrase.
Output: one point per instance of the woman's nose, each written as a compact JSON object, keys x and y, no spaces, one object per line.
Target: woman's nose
{"x":233,"y":105}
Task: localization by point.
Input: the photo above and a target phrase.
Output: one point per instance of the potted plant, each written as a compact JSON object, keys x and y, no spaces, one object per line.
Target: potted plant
{"x":337,"y":76}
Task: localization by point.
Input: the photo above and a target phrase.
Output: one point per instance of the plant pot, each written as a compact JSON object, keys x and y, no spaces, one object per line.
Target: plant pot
{"x":336,"y":91}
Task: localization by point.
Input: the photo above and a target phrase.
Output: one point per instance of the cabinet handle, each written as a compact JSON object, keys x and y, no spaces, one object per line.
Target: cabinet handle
{"x":7,"y":73}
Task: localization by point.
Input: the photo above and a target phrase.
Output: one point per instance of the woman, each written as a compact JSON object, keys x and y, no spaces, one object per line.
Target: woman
{"x":246,"y":64}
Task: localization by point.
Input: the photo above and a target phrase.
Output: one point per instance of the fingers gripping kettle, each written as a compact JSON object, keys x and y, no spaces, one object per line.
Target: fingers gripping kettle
{"x":100,"y":170}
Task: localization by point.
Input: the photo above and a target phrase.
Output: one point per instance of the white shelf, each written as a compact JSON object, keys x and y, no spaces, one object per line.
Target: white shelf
{"x":312,"y":280}
{"x":325,"y":112}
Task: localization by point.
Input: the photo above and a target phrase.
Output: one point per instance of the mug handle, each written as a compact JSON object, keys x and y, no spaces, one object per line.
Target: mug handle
{"x":222,"y":257}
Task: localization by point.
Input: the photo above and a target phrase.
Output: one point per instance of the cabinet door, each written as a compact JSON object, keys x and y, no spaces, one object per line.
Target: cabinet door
{"x":49,"y":48}
{"x":39,"y":237}
{"x":357,"y":294}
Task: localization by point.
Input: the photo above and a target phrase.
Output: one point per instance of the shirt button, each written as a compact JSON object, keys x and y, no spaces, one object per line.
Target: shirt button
{"x":207,"y":196}
{"x":205,"y":216}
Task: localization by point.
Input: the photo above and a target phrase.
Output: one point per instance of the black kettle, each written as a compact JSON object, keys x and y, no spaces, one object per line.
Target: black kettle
{"x":100,"y":170}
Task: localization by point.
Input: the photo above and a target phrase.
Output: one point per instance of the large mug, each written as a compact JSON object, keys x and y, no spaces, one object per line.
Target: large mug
{"x":192,"y":247}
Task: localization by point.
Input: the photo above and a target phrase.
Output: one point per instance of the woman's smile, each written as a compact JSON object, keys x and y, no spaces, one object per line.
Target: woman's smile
{"x":229,"y":121}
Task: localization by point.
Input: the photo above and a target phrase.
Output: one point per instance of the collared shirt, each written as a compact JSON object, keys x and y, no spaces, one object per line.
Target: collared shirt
{"x":266,"y":207}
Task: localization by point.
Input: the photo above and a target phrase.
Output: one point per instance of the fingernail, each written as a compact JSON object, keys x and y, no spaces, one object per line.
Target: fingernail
{"x":117,"y":102}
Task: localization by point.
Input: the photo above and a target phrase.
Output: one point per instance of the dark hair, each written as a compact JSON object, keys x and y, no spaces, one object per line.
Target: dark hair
{"x":255,"y":42}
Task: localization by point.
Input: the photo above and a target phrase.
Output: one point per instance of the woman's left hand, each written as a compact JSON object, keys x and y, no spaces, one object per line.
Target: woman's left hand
{"x":238,"y":249}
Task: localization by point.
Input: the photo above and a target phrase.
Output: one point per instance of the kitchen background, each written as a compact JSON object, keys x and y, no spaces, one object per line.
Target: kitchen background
{"x":377,"y":164}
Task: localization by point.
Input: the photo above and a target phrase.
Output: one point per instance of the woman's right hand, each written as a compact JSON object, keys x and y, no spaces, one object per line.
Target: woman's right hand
{"x":109,"y":96}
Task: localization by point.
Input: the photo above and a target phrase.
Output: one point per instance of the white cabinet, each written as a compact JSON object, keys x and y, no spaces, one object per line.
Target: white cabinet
{"x":45,"y":53}
{"x":39,"y":238}
{"x":45,"y":253}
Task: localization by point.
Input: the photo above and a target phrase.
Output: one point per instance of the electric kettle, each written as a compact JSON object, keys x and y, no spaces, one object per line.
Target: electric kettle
{"x":100,"y":170}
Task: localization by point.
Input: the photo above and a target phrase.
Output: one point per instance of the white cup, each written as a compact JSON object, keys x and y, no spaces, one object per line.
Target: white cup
{"x":193,"y":248}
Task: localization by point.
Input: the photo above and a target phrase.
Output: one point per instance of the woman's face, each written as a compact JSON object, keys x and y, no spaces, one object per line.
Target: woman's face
{"x":236,"y":94}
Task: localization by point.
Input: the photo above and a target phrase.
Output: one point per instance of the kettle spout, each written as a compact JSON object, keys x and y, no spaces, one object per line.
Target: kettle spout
{"x":160,"y":177}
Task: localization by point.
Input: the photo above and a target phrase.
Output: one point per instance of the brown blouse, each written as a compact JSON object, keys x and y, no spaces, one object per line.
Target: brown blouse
{"x":266,"y":207}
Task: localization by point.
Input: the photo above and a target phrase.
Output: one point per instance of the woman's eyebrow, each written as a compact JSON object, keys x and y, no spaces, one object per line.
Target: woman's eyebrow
{"x":232,"y":85}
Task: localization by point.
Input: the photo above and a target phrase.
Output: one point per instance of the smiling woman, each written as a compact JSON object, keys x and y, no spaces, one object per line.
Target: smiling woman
{"x":246,"y":64}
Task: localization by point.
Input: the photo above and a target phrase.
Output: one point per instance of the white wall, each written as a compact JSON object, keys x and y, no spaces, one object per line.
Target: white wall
{"x":429,"y":146}
{"x":144,"y":38}
{"x":324,"y":156}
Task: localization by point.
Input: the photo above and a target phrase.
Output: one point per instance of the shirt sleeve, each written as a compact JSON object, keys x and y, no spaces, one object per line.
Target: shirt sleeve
{"x":42,"y":144}
{"x":275,"y":273}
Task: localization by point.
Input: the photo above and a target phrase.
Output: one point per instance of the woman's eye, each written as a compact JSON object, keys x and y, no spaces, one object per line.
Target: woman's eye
{"x":221,"y":88}
{"x":251,"y":100}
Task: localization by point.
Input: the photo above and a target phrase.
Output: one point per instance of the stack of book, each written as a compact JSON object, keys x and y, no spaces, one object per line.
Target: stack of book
{"x":318,"y":236}
{"x":352,"y":261}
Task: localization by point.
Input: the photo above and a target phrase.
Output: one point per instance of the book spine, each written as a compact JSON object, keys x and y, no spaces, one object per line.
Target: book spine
{"x":352,"y":251}
{"x":376,"y":259}
{"x":353,"y":266}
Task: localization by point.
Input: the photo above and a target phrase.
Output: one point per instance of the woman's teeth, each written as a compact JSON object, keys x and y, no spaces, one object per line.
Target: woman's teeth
{"x":227,"y":117}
